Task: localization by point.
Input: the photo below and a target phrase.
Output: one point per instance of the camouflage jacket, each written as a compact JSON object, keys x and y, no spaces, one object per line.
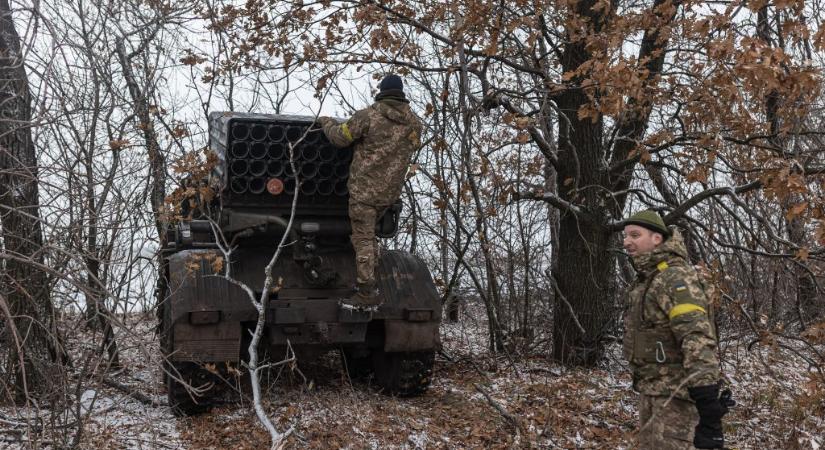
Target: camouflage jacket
{"x":385,"y":134}
{"x":669,"y":339}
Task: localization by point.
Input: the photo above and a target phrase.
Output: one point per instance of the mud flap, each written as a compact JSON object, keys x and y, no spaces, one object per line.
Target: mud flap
{"x":206,"y":311}
{"x":219,"y":342}
{"x":412,"y":308}
{"x":402,"y":336}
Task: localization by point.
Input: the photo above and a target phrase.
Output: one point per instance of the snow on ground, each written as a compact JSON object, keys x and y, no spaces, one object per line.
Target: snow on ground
{"x":781,"y":403}
{"x":108,"y":417}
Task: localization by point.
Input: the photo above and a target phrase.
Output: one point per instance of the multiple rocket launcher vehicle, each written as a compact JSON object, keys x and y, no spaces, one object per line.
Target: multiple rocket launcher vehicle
{"x":206,"y":319}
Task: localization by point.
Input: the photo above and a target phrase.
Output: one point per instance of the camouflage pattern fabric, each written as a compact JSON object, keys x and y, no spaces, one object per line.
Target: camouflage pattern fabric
{"x":362,"y":221}
{"x":666,"y":423}
{"x":669,"y":340}
{"x":385,"y":135}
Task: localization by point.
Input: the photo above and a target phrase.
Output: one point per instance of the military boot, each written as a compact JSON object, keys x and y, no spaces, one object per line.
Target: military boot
{"x":365,"y":297}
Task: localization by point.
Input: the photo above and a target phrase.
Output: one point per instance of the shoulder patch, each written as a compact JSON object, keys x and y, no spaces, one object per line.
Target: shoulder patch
{"x":345,"y":131}
{"x":662,"y":266}
{"x":680,"y":291}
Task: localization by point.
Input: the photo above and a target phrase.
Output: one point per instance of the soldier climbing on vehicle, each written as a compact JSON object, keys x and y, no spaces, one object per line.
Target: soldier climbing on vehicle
{"x":384,"y":135}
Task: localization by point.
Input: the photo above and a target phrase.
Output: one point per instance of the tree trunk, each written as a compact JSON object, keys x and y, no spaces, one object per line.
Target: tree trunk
{"x":584,"y":266}
{"x":585,"y":271}
{"x":587,"y":298}
{"x":24,"y":283}
{"x":157,"y":161}
{"x":807,"y":298}
{"x":806,"y":294}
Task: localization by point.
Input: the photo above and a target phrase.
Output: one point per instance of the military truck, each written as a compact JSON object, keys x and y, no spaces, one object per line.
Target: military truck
{"x":262,"y":162}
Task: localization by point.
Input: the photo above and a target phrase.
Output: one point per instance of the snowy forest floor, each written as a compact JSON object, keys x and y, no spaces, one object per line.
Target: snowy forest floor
{"x":475,"y":401}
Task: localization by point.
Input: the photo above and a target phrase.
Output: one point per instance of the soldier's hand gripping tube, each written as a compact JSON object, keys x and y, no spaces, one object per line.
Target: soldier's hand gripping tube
{"x":708,"y":433}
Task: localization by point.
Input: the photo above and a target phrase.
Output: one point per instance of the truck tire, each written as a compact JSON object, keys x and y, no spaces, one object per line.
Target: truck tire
{"x":403,"y":374}
{"x":180,"y":401}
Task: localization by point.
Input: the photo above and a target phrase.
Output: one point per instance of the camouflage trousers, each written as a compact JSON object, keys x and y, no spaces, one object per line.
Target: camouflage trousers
{"x":666,"y":426}
{"x":362,"y":219}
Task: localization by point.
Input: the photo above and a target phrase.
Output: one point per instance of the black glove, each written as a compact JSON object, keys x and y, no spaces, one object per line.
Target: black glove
{"x":708,"y":434}
{"x":726,"y":400}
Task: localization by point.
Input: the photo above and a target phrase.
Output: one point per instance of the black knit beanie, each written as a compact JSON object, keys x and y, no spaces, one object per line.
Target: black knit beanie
{"x":391,"y":82}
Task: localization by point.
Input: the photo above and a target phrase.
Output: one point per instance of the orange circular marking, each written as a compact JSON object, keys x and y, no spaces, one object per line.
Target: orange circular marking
{"x":275,"y":186}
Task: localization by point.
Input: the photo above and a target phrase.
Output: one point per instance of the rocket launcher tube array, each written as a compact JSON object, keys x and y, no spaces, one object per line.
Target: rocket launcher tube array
{"x":259,"y":152}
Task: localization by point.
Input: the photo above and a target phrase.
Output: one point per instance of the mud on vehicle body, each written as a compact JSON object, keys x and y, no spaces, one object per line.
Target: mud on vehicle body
{"x":206,"y":319}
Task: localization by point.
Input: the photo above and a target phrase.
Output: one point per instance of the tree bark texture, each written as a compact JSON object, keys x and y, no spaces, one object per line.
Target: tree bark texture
{"x":23,"y":282}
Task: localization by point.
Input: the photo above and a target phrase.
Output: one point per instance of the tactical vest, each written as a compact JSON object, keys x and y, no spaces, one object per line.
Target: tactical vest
{"x":645,"y":343}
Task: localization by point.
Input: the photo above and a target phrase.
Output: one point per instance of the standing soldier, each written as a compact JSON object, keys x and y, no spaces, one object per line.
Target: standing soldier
{"x":670,"y":342}
{"x":385,"y":136}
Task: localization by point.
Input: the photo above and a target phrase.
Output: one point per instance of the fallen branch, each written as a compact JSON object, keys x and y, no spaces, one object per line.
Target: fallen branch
{"x":29,"y":442}
{"x":28,"y":426}
{"x":6,"y":432}
{"x":133,"y":393}
{"x":503,"y":411}
{"x":544,"y":370}
{"x":446,"y":355}
{"x":6,"y":421}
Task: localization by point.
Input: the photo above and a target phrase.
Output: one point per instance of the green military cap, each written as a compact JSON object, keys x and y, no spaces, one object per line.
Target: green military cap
{"x":651,"y":220}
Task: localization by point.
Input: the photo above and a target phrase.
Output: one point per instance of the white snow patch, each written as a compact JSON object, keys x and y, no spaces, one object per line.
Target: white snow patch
{"x":419,"y":439}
